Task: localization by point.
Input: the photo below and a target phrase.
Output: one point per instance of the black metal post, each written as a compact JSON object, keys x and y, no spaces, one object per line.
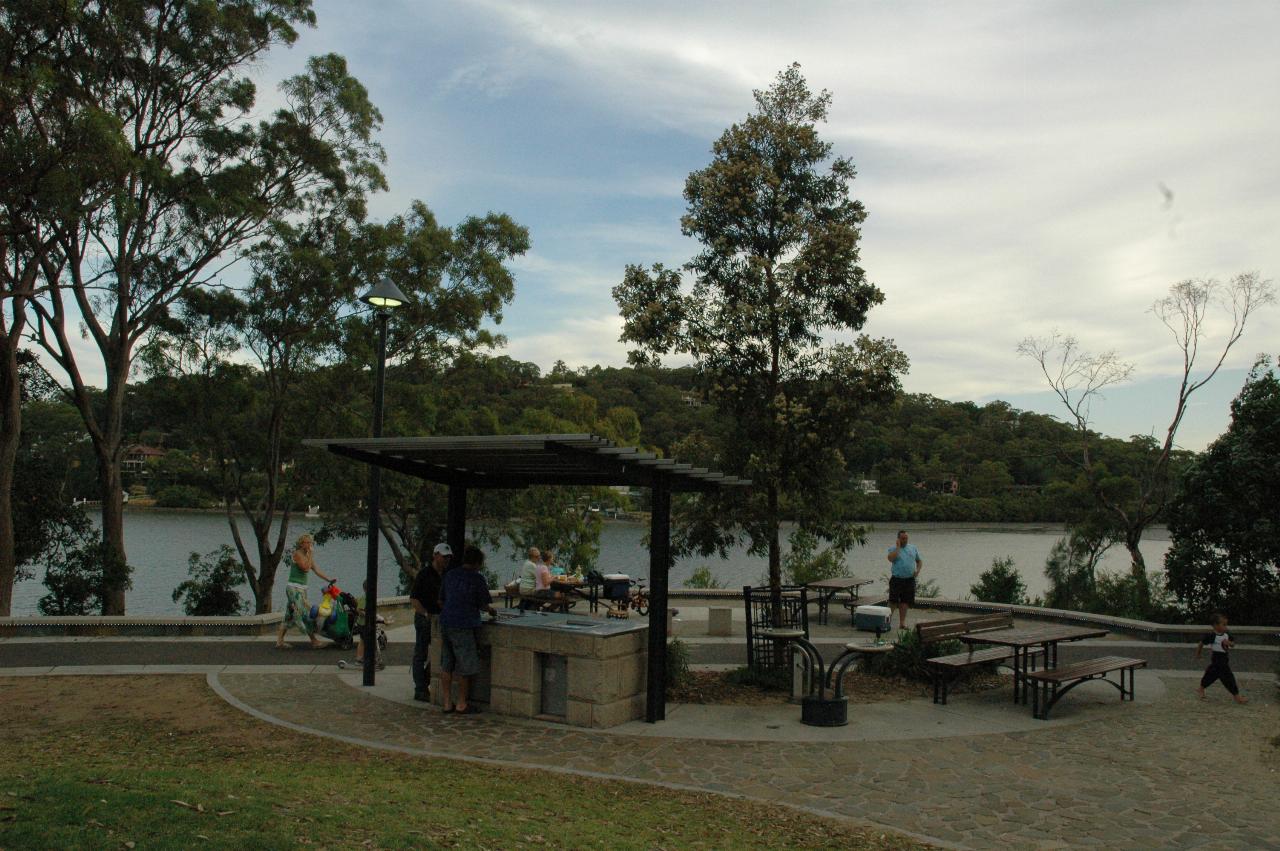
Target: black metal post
{"x":375,"y":493}
{"x":659,"y":566}
{"x":455,"y":524}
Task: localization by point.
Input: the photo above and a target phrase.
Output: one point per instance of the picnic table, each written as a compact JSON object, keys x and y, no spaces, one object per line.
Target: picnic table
{"x":1022,"y":640}
{"x":825,"y":591}
{"x":569,"y":587}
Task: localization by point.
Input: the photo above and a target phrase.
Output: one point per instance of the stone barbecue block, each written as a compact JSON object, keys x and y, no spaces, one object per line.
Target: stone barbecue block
{"x":566,"y":668}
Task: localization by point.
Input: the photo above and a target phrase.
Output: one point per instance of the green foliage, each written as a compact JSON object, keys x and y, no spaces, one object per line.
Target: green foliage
{"x":778,"y":272}
{"x":1225,"y":521}
{"x":81,"y":570}
{"x":908,"y":657}
{"x":805,"y":563}
{"x":1001,"y":584}
{"x":701,"y":578}
{"x":677,"y":663}
{"x":211,"y":590}
{"x":1076,"y":585}
{"x":181,"y":496}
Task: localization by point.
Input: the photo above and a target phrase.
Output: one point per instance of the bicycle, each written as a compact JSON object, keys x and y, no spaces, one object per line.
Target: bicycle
{"x":639,"y":599}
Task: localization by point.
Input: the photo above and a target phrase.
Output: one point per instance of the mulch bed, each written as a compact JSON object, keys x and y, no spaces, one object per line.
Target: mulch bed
{"x":716,"y":687}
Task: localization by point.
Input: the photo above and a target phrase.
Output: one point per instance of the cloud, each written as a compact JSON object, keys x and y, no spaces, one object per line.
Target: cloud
{"x":1011,"y":155}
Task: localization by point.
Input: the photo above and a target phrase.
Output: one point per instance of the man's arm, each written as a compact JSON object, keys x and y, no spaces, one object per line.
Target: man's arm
{"x":418,"y":608}
{"x":919,"y":564}
{"x":893,"y":555}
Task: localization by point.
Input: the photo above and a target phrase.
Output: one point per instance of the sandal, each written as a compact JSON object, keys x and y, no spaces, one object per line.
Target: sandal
{"x":471,"y":709}
{"x":448,"y":710}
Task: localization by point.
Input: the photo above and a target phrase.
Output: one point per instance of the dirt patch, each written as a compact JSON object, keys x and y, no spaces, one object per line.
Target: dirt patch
{"x":718,"y":687}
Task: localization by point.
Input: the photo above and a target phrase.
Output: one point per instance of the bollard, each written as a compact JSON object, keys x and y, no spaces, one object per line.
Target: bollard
{"x":720,"y":622}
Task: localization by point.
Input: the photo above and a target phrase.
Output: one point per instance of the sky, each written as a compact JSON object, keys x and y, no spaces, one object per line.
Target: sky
{"x":1025,"y":166}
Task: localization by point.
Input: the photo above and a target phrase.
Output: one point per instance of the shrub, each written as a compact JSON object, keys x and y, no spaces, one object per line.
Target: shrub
{"x":805,"y":563}
{"x":211,"y":588}
{"x":677,"y":663}
{"x":1001,"y":584}
{"x":703,"y":578}
{"x":180,"y":496}
{"x":78,"y":574}
{"x":907,"y":659}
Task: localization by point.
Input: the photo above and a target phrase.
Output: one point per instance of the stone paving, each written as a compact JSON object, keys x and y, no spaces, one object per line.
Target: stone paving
{"x":1173,"y":773}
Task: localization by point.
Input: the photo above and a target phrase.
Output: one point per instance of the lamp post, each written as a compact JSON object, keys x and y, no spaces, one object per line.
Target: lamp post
{"x":384,"y":297}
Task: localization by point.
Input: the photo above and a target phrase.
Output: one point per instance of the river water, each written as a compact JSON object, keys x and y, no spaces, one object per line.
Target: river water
{"x":954,"y":554}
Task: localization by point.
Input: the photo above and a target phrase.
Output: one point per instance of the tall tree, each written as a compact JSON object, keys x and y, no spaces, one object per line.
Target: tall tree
{"x":778,"y":271}
{"x":203,"y":181}
{"x":59,"y":152}
{"x":458,"y":279}
{"x":1136,"y":497}
{"x":1223,"y":520}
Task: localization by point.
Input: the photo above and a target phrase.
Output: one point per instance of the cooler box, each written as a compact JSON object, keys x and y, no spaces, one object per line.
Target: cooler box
{"x":617,"y":586}
{"x":871,"y":618}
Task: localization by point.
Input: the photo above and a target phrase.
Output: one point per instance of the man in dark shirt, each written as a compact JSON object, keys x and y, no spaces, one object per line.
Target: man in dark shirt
{"x":463,"y":596}
{"x":425,"y":599}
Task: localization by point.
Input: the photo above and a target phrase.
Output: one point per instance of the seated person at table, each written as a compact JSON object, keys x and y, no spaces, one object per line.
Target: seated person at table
{"x":529,"y":578}
{"x":549,"y":561}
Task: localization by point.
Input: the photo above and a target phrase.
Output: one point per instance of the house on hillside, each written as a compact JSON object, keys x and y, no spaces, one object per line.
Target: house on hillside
{"x":136,"y":458}
{"x":868,"y":487}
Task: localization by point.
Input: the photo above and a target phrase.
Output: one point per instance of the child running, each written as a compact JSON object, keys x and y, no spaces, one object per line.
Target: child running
{"x":1219,"y":667}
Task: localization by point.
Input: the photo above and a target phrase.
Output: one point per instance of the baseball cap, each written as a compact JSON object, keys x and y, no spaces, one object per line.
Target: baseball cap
{"x":443,"y":550}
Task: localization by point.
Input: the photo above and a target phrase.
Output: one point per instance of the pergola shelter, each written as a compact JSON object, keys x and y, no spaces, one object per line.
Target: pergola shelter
{"x":519,"y":461}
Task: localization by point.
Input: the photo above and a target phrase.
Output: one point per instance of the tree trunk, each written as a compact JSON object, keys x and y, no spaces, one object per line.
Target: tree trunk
{"x":1138,"y":568}
{"x":775,"y":559}
{"x":10,"y":432}
{"x":110,"y":481}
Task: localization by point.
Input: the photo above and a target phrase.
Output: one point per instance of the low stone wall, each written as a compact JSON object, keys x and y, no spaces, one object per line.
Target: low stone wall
{"x":159,"y":626}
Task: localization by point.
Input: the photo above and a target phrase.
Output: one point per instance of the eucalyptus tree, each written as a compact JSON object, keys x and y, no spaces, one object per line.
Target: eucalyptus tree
{"x":778,"y":274}
{"x":458,"y":280}
{"x":203,"y":180}
{"x":1132,"y":488}
{"x":59,"y":153}
{"x":1223,"y":519}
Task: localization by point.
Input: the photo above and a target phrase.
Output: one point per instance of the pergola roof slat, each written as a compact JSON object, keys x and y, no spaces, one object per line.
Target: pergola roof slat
{"x":516,"y":461}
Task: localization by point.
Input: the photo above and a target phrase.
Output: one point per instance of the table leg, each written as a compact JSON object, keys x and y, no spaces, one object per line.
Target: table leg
{"x":1020,"y":656}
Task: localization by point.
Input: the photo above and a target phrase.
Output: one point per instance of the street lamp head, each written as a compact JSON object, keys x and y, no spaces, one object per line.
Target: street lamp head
{"x":384,"y":295}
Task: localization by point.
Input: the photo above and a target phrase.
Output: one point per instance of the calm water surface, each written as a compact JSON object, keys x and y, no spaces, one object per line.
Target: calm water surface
{"x":159,"y":544}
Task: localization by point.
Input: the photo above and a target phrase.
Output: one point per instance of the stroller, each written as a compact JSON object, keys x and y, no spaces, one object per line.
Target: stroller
{"x":338,"y":619}
{"x":335,"y":616}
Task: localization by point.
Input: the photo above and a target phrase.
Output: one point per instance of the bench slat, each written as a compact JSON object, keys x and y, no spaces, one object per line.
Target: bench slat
{"x":1087,"y":668}
{"x":942,"y":630}
{"x":978,"y":657}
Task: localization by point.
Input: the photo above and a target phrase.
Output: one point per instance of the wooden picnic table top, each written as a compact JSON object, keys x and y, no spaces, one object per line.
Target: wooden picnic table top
{"x":839,"y":583}
{"x":1028,"y":636}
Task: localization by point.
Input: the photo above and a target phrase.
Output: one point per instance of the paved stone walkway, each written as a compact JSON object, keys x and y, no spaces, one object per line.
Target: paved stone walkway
{"x":1174,"y":773}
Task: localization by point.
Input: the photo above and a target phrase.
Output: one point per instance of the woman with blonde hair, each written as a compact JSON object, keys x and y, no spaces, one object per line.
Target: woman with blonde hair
{"x":297,"y":611}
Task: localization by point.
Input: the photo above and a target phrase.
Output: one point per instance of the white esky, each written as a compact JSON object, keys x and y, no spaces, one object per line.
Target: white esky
{"x":1011,"y":157}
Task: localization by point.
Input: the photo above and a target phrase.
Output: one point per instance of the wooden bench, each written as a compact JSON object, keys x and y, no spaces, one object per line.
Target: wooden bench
{"x":1047,"y":686}
{"x":944,"y":670}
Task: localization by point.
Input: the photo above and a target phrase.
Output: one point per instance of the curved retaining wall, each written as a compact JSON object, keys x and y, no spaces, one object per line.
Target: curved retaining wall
{"x":150,"y":625}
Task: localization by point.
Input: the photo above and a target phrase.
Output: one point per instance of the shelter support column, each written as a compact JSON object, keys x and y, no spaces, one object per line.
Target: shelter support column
{"x":659,"y":567}
{"x":455,"y":526}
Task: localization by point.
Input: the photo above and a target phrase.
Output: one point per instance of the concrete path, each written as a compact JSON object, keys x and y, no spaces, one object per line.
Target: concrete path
{"x":1164,"y":772}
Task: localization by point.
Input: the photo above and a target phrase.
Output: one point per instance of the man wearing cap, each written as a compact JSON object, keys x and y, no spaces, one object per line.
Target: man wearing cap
{"x":425,"y":599}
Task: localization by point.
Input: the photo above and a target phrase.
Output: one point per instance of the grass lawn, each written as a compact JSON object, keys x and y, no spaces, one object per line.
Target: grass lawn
{"x":161,"y":762}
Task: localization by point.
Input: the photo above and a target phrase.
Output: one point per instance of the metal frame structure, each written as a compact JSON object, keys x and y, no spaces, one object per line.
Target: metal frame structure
{"x":519,"y":461}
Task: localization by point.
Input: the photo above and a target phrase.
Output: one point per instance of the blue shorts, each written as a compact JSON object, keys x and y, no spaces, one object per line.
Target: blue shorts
{"x":458,"y":652}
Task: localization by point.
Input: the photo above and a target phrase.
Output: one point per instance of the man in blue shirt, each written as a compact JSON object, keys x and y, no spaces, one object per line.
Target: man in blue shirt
{"x":463,"y":596}
{"x":906,"y":562}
